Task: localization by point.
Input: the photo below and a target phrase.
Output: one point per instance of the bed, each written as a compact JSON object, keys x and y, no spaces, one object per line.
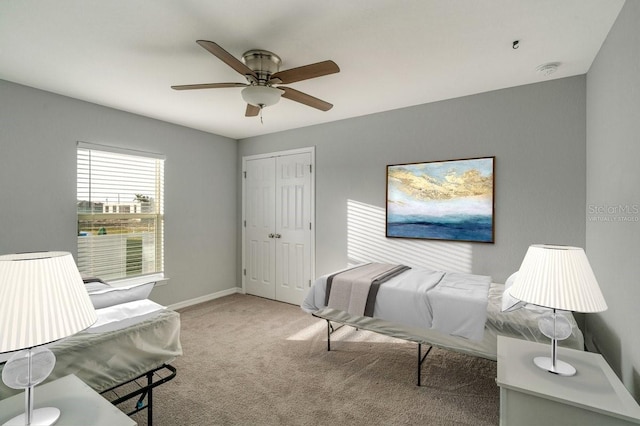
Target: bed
{"x":133,"y":342}
{"x":519,"y":323}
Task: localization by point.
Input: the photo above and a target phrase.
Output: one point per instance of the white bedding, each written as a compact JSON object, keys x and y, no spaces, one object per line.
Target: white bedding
{"x":451,"y":303}
{"x":127,"y":341}
{"x":112,"y":318}
{"x":521,"y":323}
{"x":123,"y":315}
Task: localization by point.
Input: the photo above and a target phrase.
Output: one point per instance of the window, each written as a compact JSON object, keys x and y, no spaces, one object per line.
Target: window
{"x":120,"y":197}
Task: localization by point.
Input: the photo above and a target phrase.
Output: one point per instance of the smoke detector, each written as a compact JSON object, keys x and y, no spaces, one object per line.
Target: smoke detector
{"x":548,"y":69}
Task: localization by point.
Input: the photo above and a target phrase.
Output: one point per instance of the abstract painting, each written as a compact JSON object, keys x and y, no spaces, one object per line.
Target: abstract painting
{"x":442,"y":200}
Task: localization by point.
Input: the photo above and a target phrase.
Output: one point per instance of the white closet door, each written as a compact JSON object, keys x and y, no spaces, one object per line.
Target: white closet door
{"x":259,"y":229}
{"x":278,"y":238}
{"x":293,"y":227}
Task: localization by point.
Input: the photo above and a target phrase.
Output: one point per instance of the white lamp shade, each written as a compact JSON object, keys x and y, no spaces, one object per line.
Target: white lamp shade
{"x":42,"y":299}
{"x":558,"y":277}
{"x":261,"y":96}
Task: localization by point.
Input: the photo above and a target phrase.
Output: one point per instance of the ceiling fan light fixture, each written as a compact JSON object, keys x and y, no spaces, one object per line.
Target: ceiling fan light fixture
{"x":261,"y":68}
{"x":261,"y":96}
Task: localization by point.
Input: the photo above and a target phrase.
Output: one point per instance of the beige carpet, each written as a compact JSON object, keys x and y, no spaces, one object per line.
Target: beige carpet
{"x":252,"y":361}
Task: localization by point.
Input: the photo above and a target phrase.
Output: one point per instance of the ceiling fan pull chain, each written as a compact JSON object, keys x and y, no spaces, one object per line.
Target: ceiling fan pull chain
{"x":261,"y":122}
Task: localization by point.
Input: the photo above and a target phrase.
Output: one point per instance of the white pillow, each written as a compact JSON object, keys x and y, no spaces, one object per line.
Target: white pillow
{"x":109,"y":296}
{"x":94,"y":284}
{"x":510,"y":303}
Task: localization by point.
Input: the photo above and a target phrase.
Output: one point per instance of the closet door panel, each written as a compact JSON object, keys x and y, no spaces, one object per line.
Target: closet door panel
{"x":259,"y":228}
{"x":293,"y":227}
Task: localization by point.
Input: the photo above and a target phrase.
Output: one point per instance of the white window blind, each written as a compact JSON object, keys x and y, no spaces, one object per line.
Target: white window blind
{"x":120,"y":196}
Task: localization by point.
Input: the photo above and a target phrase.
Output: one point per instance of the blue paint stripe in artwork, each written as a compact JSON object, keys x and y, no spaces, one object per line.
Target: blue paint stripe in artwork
{"x":453,"y":227}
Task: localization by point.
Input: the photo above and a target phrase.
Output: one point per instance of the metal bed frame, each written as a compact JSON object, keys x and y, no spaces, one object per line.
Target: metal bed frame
{"x":421,"y":358}
{"x":150,"y":380}
{"x":496,"y":325}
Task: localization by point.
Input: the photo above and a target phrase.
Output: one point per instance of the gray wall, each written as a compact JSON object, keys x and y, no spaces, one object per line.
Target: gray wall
{"x":38,"y":134}
{"x":536,"y":133}
{"x":613,"y":195}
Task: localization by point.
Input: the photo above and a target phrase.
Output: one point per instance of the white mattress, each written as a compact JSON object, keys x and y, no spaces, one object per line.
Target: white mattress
{"x":521,"y":323}
{"x":117,"y":350}
{"x":449,"y":302}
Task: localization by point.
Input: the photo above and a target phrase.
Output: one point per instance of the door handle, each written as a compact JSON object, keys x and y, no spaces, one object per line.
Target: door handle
{"x":278,"y":235}
{"x":271,"y":236}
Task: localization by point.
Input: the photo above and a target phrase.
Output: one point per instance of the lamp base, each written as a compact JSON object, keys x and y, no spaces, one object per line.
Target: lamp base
{"x":562,"y":368}
{"x":40,"y":417}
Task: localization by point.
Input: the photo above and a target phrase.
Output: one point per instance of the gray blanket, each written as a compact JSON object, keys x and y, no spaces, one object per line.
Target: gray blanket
{"x":355,"y":290}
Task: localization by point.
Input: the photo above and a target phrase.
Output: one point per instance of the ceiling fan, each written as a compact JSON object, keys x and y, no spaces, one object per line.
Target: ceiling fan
{"x":261,"y":68}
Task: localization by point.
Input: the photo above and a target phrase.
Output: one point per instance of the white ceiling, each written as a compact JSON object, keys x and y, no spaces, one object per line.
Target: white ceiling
{"x":392,"y":54}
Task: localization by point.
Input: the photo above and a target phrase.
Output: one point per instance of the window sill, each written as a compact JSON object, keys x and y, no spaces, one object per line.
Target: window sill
{"x":158,"y":278}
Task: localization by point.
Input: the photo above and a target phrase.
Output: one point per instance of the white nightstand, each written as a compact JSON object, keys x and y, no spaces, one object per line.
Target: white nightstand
{"x":531,"y":396}
{"x":78,"y":404}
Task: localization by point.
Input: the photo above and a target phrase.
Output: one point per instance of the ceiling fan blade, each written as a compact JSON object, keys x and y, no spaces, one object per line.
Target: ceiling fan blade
{"x":252,"y":111}
{"x":303,"y":98}
{"x":208,"y":86}
{"x":305,"y":72}
{"x":226,"y":57}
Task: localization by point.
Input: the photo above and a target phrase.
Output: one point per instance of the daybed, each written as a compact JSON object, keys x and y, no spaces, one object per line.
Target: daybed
{"x":133,"y":340}
{"x":414,"y":303}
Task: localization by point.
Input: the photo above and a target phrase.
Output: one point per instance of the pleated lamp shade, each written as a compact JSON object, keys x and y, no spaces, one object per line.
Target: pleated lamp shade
{"x":558,"y":277}
{"x":42,"y":299}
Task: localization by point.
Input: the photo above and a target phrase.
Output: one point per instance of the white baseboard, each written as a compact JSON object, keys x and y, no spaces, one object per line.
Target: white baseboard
{"x":205,"y":298}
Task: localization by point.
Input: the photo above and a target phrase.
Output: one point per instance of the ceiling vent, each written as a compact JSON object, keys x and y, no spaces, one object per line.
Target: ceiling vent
{"x":547,"y":69}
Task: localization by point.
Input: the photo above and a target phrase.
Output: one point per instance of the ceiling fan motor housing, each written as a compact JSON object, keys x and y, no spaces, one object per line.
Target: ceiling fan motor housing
{"x":263,"y":63}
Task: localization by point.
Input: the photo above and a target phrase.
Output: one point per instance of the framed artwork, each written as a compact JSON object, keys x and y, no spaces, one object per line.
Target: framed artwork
{"x":442,"y":200}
